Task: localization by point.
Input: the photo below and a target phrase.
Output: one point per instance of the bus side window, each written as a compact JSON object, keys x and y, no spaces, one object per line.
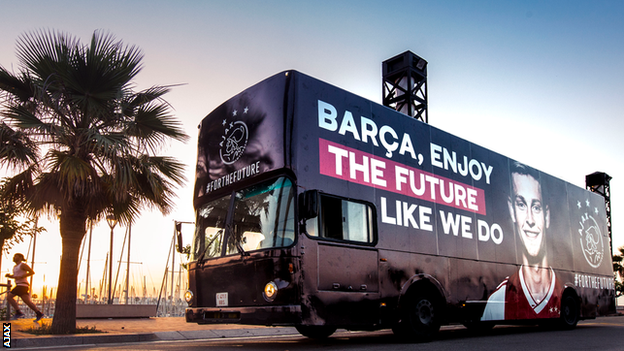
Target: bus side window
{"x":332,"y":218}
{"x":346,"y":220}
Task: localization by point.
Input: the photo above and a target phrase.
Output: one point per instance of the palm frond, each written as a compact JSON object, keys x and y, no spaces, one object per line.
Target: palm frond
{"x":152,"y":125}
{"x":42,"y":51}
{"x":23,"y":118}
{"x":127,"y":210}
{"x":18,"y":189}
{"x":100,"y":74}
{"x":16,"y":148}
{"x":46,"y":196}
{"x":169,"y":167}
{"x":77,"y":177}
{"x":152,"y":180}
{"x":149,"y":95}
{"x":20,"y":87}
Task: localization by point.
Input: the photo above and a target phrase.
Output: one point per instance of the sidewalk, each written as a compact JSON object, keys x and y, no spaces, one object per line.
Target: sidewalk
{"x":137,"y":330}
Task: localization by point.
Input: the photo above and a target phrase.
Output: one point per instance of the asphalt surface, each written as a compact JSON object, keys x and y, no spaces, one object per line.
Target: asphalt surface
{"x":132,"y":330}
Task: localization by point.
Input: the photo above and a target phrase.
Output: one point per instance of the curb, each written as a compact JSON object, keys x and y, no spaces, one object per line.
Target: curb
{"x":69,"y":340}
{"x":224,"y":333}
{"x":81,"y":340}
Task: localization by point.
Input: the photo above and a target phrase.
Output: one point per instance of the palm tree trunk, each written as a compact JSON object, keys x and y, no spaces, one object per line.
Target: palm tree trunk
{"x":73,"y":229}
{"x":1,"y":251}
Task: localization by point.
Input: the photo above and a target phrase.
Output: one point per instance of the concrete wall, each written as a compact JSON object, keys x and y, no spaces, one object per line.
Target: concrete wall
{"x":115,"y":311}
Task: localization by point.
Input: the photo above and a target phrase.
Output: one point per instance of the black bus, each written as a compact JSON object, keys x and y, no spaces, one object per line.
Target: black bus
{"x":319,"y":209}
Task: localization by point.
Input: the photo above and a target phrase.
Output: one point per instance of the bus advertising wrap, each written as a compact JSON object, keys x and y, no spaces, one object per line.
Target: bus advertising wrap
{"x":242,"y":138}
{"x":398,"y":202}
{"x":440,"y":195}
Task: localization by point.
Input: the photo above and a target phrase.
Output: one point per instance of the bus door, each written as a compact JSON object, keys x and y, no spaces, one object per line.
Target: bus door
{"x":341,"y":263}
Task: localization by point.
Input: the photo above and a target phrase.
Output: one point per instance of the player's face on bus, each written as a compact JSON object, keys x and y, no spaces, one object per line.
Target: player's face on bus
{"x":528,"y":212}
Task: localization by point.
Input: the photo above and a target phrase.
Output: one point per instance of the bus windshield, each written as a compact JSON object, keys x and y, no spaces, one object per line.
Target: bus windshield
{"x":262,"y":217}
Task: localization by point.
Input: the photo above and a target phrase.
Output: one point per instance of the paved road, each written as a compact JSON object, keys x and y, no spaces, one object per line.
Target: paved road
{"x":598,"y":335}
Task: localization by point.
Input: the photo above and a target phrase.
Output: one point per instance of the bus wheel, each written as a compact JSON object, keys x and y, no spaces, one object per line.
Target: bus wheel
{"x":315,"y":331}
{"x":420,"y":320}
{"x":569,"y":312}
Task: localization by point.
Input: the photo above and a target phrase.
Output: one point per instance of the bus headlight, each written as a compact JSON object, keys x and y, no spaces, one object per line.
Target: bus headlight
{"x":188,"y":297}
{"x":270,"y":291}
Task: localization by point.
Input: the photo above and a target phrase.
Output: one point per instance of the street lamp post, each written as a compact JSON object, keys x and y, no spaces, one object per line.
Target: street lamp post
{"x":112,"y":222}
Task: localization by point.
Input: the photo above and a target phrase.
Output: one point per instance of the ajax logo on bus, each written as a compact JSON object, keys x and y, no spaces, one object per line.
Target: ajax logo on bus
{"x":591,"y":239}
{"x":234,"y":139}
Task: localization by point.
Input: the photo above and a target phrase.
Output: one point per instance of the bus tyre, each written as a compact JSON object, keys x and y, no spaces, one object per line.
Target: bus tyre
{"x":420,"y":320}
{"x":315,"y":331}
{"x":569,"y":312}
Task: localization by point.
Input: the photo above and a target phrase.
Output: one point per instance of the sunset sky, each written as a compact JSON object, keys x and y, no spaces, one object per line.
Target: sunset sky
{"x":540,"y":82}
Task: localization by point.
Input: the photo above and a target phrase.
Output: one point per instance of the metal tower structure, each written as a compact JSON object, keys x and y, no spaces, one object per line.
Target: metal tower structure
{"x":405,"y":85}
{"x":598,"y":182}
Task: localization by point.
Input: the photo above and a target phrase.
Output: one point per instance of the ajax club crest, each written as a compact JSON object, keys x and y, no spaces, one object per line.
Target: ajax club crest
{"x":591,"y":238}
{"x":234,"y":139}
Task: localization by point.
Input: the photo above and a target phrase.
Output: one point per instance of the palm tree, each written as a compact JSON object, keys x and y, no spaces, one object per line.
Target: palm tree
{"x":83,"y":142}
{"x":618,"y":270}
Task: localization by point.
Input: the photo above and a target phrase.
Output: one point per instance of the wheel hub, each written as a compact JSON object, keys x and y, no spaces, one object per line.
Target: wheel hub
{"x":424,"y":311}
